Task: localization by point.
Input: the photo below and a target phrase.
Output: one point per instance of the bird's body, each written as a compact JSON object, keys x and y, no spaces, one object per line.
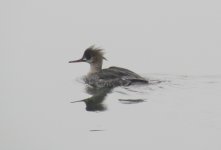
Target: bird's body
{"x":109,"y":77}
{"x":112,"y":77}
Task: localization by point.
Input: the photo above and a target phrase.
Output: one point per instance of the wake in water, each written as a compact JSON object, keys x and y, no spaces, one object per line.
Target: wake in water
{"x":158,"y":84}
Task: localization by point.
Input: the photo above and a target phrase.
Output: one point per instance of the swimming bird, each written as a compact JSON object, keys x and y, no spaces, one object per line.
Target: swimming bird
{"x":109,"y":77}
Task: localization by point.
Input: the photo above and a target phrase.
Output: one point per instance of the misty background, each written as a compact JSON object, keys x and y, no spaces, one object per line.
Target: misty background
{"x":178,"y":42}
{"x":181,"y":37}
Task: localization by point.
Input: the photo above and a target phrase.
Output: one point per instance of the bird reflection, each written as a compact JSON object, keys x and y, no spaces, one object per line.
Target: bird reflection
{"x":95,"y":102}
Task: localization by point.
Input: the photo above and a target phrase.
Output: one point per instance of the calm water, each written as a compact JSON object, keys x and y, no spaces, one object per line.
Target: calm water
{"x":173,"y":112}
{"x":45,"y":106}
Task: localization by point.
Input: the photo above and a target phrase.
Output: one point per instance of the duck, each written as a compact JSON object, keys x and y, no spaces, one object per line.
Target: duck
{"x":108,"y":77}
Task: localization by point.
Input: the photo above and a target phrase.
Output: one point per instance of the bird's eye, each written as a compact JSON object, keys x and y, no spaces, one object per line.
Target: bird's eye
{"x":87,"y":56}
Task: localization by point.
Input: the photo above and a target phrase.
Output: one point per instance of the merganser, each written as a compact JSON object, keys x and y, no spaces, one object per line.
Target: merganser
{"x":109,"y":77}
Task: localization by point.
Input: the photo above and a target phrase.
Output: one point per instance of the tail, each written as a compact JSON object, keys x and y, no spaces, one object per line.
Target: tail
{"x":143,"y":81}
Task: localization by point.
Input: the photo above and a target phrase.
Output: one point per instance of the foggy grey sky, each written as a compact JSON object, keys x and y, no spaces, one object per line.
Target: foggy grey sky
{"x":181,"y":37}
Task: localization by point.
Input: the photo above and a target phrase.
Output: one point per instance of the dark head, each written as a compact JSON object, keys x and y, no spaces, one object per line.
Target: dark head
{"x":91,"y":55}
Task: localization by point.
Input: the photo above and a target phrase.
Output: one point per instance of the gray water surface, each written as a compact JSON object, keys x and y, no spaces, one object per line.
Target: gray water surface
{"x":45,"y":106}
{"x":172,"y":112}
